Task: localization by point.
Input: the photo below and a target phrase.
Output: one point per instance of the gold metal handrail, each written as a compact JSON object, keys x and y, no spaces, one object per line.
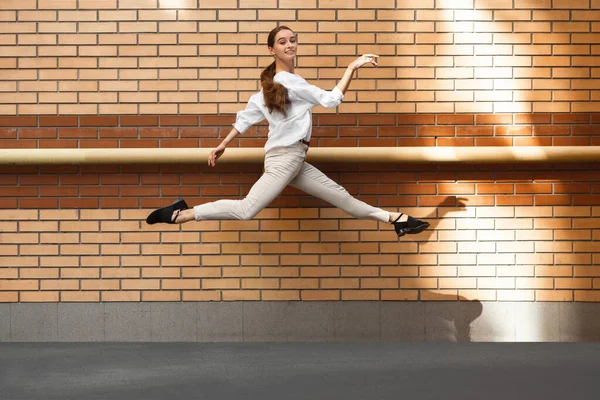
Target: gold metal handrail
{"x":520,"y":154}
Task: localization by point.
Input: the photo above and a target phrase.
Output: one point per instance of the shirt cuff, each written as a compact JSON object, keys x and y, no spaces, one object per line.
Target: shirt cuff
{"x":338,"y":92}
{"x":239,"y":127}
{"x":240,"y":123}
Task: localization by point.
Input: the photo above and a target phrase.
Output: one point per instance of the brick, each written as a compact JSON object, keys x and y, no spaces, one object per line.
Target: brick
{"x":21,"y":284}
{"x":339,"y":283}
{"x":130,"y":296}
{"x":435,"y":131}
{"x":241,"y":295}
{"x":360,"y":295}
{"x":39,"y":297}
{"x":399,"y":295}
{"x":143,"y":284}
{"x":120,"y":273}
{"x":582,"y":247}
{"x":571,"y":4}
{"x":534,"y":234}
{"x":320,"y":295}
{"x":302,"y":283}
{"x":279,"y":271}
{"x":513,"y":130}
{"x":572,"y":235}
{"x":162,"y":295}
{"x":554,"y":223}
{"x":80,"y":297}
{"x":458,"y":283}
{"x":112,"y":284}
{"x":512,"y":295}
{"x":572,"y":259}
{"x":586,"y":295}
{"x":399,"y":271}
{"x":581,"y":211}
{"x":204,"y":272}
{"x":280,"y":295}
{"x":38,"y":250}
{"x":418,"y":283}
{"x":360,"y":271}
{"x":554,"y":295}
{"x":160,"y":272}
{"x":484,"y":188}
{"x":202,"y":295}
{"x":238,"y":272}
{"x":299,"y":237}
{"x":309,"y":248}
{"x":38,"y":133}
{"x":553,"y":200}
{"x":239,"y":225}
{"x":464,"y":188}
{"x":573,"y":283}
{"x":299,"y":260}
{"x":260,"y":283}
{"x":60,"y":238}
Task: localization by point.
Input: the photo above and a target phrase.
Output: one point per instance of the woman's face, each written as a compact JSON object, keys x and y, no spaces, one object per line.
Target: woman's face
{"x":285,"y":46}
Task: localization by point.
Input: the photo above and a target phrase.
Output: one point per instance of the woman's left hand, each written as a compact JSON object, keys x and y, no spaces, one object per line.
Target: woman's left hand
{"x":364,"y":59}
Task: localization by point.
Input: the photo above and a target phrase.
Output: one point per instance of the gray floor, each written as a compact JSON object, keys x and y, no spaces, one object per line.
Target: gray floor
{"x":267,"y":371}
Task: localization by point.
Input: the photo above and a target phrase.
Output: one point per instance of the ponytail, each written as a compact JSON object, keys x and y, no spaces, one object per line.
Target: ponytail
{"x":276,"y":95}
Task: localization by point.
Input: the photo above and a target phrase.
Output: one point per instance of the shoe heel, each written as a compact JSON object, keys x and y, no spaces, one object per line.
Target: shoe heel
{"x":411,"y":226}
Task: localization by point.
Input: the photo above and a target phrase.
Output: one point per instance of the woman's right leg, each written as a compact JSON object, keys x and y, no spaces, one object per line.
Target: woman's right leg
{"x":281,"y":166}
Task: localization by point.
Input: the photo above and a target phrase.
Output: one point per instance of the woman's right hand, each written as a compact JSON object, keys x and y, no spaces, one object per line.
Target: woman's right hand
{"x":215,"y":154}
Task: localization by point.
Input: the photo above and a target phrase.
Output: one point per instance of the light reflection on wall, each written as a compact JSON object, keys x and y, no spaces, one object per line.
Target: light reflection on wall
{"x":499,"y":79}
{"x":484,"y":54}
{"x":174,"y":3}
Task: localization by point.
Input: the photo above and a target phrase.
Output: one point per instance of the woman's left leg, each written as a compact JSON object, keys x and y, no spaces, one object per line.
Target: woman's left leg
{"x":316,"y":183}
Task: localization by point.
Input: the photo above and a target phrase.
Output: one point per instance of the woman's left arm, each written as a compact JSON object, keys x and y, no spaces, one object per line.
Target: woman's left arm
{"x":333,"y":98}
{"x":354,"y":65}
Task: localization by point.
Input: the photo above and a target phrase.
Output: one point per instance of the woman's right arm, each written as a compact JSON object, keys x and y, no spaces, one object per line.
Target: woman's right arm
{"x":244,"y":120}
{"x":220,"y":149}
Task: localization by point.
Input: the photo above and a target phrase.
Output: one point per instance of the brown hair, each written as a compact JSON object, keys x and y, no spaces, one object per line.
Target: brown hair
{"x":276,"y":95}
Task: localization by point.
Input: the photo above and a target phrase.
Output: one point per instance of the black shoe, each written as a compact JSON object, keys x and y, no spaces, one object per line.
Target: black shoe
{"x":410,"y":226}
{"x":165,"y":214}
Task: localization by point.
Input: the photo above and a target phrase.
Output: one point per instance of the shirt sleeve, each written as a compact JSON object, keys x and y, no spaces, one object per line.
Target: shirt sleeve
{"x":251,"y":115}
{"x":315,"y":95}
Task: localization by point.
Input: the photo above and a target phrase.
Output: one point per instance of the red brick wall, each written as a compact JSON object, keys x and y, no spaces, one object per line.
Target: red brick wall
{"x":519,"y":232}
{"x":165,"y":73}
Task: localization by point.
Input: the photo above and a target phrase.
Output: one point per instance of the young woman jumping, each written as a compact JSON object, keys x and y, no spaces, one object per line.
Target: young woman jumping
{"x":285,"y":101}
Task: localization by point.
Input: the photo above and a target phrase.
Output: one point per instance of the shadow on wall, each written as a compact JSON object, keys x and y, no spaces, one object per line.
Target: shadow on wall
{"x":452,"y":318}
{"x":446,"y":319}
{"x":468,"y":321}
{"x":449,"y":321}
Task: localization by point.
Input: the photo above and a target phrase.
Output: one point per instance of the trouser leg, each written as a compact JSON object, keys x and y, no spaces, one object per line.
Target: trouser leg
{"x":315,"y":183}
{"x":281,"y":166}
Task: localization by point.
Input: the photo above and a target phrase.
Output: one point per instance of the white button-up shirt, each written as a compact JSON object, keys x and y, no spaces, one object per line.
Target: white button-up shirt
{"x":284,"y":131}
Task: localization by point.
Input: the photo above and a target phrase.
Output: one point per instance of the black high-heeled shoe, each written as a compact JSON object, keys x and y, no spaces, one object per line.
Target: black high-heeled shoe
{"x":410,"y":226}
{"x":165,"y":214}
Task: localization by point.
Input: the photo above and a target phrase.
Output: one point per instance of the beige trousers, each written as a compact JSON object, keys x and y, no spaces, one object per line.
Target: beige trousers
{"x":285,"y":166}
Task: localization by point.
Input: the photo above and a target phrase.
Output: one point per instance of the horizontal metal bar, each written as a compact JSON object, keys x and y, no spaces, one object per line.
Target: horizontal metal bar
{"x":520,"y":154}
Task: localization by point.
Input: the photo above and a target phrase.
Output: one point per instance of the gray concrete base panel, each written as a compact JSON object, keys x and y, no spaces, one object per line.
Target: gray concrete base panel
{"x":264,"y":321}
